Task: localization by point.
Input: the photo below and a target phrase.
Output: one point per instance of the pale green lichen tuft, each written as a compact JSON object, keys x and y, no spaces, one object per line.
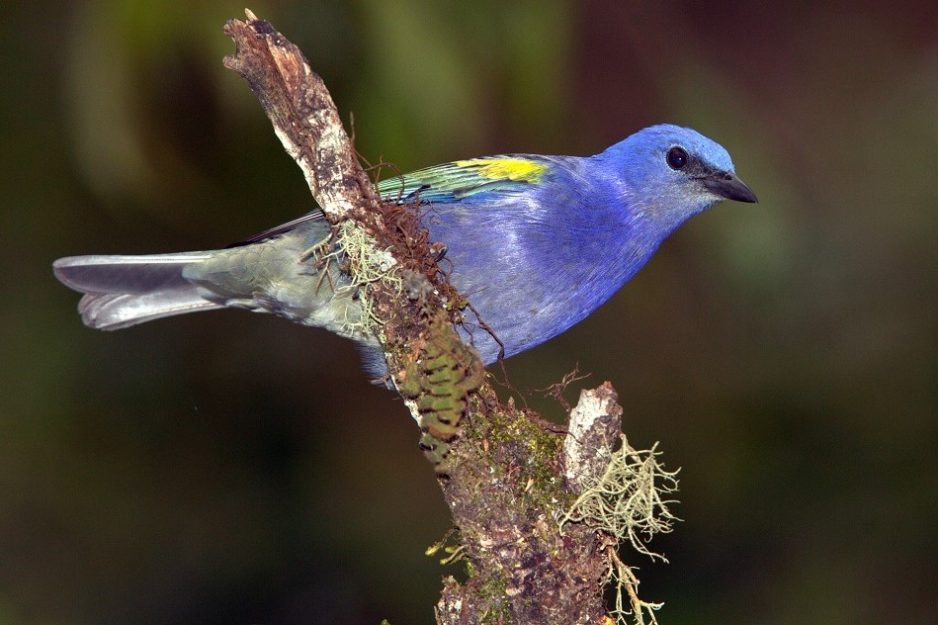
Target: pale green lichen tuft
{"x":356,"y":252}
{"x":629,"y":501}
{"x":627,"y":603}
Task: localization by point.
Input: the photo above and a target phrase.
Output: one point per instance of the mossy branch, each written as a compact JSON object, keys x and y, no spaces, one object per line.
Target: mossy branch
{"x":539,"y":515}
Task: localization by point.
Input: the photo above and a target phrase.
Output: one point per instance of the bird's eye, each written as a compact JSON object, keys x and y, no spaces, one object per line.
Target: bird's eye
{"x":677,"y":157}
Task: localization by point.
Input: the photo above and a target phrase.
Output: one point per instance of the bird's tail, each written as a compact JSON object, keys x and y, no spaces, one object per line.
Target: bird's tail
{"x":121,"y":291}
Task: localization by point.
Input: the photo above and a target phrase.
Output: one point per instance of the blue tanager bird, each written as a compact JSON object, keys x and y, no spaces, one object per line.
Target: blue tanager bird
{"x":535,"y":243}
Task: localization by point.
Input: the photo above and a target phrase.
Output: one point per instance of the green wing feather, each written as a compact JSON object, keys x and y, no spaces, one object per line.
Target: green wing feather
{"x":454,"y":181}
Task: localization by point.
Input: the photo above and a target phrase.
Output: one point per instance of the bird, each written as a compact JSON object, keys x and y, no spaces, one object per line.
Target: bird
{"x":534,"y":243}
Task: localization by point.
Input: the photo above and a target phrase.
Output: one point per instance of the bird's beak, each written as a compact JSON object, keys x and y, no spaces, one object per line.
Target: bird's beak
{"x":726,"y":184}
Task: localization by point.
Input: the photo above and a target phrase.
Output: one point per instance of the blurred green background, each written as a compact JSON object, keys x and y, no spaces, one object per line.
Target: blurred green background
{"x":227,"y":468}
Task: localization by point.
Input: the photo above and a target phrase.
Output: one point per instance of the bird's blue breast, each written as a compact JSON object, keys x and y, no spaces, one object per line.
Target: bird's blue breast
{"x":537,"y":258}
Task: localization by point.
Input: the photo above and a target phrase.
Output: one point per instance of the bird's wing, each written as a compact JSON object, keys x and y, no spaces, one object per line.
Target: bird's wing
{"x":316,"y":215}
{"x":449,"y":182}
{"x":458,"y":180}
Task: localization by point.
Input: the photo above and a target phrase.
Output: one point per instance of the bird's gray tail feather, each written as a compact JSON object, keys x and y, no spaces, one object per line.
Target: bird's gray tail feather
{"x":121,"y":291}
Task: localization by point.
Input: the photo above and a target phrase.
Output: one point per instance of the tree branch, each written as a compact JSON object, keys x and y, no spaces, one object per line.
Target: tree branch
{"x":509,"y":481}
{"x":303,"y":114}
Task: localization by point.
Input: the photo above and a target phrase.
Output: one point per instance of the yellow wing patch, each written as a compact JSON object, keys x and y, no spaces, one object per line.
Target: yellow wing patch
{"x":516,"y":169}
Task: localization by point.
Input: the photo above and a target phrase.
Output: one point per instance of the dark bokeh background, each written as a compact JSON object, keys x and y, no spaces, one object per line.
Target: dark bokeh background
{"x":231,"y":469}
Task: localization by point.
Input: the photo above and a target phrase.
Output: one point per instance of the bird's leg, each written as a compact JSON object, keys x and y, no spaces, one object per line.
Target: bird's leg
{"x":322,"y":262}
{"x":324,"y":273}
{"x":318,"y":248}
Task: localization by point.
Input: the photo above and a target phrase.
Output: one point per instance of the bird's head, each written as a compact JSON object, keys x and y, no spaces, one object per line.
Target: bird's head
{"x":669,"y":173}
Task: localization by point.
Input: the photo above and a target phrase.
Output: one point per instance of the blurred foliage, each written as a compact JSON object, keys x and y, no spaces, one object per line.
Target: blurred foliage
{"x":230,"y":468}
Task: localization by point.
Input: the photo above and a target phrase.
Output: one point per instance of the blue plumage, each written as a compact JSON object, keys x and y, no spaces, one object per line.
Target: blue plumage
{"x":536,"y":243}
